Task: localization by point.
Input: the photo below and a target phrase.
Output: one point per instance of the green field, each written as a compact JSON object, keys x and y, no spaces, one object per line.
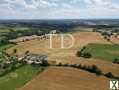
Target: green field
{"x":103,"y":51}
{"x":18,"y":78}
{"x":2,"y":47}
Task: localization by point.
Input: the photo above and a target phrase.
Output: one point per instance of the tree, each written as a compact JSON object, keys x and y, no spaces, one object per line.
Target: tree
{"x":109,"y":75}
{"x":116,"y":60}
{"x":45,"y":63}
{"x":60,"y":64}
{"x":115,"y":36}
{"x":27,"y":52}
{"x":74,"y":66}
{"x":79,"y":54}
{"x":5,"y":55}
{"x":87,"y":55}
{"x":96,"y":70}
{"x":66,"y":65}
{"x":14,"y":51}
{"x":14,"y":61}
{"x":84,"y":47}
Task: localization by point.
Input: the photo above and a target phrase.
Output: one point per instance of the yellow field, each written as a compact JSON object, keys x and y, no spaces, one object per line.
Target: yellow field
{"x":55,"y":54}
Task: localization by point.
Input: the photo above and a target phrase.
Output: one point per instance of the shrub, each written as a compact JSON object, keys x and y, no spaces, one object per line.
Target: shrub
{"x":27,"y":52}
{"x":66,"y":65}
{"x":14,"y":51}
{"x":60,"y":64}
{"x":79,"y":54}
{"x":83,"y":49}
{"x":105,"y":34}
{"x":96,"y":70}
{"x":45,"y":63}
{"x":87,"y":55}
{"x":109,"y":75}
{"x":74,"y":65}
{"x":116,"y":60}
{"x":89,"y":68}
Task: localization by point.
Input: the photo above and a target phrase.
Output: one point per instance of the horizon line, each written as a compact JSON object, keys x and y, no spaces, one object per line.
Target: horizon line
{"x":65,"y":19}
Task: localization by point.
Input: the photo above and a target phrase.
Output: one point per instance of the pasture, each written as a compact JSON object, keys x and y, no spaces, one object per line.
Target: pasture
{"x":2,"y":47}
{"x":19,"y":77}
{"x":103,"y":51}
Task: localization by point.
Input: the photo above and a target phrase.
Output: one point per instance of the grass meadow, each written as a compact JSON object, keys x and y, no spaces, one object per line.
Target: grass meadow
{"x":103,"y":51}
{"x":19,"y":77}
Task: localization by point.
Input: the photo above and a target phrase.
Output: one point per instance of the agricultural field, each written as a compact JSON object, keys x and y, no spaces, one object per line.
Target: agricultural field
{"x":56,"y":54}
{"x":28,"y":63}
{"x":114,"y":39}
{"x":19,"y":77}
{"x":62,"y":78}
{"x":103,"y":51}
{"x":2,"y":47}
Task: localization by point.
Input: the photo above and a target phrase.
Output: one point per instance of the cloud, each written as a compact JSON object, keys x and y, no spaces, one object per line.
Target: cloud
{"x":58,"y":8}
{"x":102,"y":4}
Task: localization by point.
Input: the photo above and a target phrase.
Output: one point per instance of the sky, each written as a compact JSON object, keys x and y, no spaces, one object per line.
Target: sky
{"x":59,"y":9}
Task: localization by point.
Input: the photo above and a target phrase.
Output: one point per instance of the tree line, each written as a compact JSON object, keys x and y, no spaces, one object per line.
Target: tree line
{"x":92,"y":69}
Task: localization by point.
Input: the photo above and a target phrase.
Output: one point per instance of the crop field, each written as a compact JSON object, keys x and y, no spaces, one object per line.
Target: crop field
{"x":63,"y":78}
{"x":4,"y":31}
{"x":103,"y":51}
{"x":2,"y":47}
{"x":104,"y":65}
{"x":56,"y":54}
{"x":19,"y":77}
{"x":114,"y":39}
{"x":31,"y":60}
{"x":55,"y":78}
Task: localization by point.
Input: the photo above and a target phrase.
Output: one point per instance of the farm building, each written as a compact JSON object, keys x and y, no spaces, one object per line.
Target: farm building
{"x":53,"y":32}
{"x":34,"y":58}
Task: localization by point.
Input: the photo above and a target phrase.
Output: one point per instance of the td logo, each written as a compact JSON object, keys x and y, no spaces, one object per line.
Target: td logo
{"x":114,"y":85}
{"x":62,"y":36}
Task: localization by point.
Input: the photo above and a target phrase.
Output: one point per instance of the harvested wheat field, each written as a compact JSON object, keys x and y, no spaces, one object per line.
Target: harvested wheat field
{"x":105,"y":66}
{"x":114,"y":39}
{"x":62,"y":78}
{"x":56,"y":54}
